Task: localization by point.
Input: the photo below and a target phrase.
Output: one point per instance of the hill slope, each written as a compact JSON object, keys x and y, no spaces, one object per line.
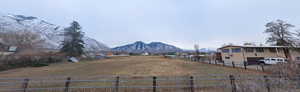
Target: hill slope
{"x":52,"y":34}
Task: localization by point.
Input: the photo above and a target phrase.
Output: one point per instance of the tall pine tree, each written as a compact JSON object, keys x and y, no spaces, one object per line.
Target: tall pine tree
{"x":73,"y":43}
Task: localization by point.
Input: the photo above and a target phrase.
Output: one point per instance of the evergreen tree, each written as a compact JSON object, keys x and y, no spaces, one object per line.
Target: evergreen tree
{"x":73,"y":44}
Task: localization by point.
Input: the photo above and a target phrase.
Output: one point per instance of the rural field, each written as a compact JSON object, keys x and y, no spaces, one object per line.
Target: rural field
{"x":135,"y":75}
{"x":126,"y":66}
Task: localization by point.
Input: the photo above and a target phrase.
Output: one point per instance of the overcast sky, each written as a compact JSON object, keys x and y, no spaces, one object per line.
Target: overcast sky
{"x":183,"y":23}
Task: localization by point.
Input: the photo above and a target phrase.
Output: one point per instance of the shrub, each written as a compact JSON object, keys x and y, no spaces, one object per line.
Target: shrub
{"x":17,"y":61}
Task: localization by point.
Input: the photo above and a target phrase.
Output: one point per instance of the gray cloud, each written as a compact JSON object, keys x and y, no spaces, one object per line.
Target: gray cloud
{"x":209,"y":23}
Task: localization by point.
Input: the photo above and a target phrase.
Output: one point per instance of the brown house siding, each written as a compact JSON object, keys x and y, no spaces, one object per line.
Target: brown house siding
{"x":268,"y":52}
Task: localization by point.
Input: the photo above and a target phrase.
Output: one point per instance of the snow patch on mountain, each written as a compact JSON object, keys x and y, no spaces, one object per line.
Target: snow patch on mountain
{"x":52,"y":34}
{"x":153,"y":47}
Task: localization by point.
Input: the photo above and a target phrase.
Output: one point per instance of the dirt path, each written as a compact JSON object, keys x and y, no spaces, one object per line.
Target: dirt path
{"x":128,"y":66}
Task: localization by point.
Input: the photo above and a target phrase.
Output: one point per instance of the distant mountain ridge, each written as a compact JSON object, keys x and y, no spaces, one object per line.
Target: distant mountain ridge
{"x":153,"y":47}
{"x":203,"y":50}
{"x":52,"y":34}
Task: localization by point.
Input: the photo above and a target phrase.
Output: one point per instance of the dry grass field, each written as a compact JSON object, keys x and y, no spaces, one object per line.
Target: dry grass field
{"x":136,"y":76}
{"x":126,"y":66}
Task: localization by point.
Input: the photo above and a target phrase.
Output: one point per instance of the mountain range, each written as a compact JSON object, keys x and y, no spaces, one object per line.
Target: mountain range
{"x":202,"y":50}
{"x":141,"y":47}
{"x":50,"y":33}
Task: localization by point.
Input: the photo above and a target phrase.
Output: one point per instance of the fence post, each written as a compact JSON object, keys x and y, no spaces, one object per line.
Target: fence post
{"x":298,"y":81}
{"x":67,"y":85}
{"x":233,"y":65}
{"x":245,"y":65}
{"x":232,"y":82}
{"x":117,"y":84}
{"x":192,"y":84}
{"x":25,"y":85}
{"x":223,"y":63}
{"x":154,"y":84}
{"x":267,"y":83}
{"x":262,"y":68}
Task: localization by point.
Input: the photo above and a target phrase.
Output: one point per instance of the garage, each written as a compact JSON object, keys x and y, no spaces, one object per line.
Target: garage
{"x":253,"y":60}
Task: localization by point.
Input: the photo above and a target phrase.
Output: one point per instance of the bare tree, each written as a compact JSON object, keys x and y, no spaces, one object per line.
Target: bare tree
{"x":197,"y":52}
{"x":24,"y":39}
{"x":280,"y":33}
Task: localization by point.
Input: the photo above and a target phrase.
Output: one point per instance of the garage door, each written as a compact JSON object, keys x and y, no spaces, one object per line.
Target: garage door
{"x":253,"y":60}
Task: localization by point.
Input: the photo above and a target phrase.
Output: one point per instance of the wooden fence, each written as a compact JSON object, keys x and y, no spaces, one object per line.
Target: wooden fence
{"x":232,"y":64}
{"x":212,"y":83}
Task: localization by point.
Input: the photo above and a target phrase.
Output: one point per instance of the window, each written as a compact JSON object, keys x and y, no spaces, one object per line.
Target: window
{"x":260,"y":50}
{"x":298,"y":58}
{"x":249,"y":50}
{"x":267,"y":59}
{"x":225,"y":50}
{"x":227,"y":57}
{"x":236,"y":50}
{"x":279,"y":50}
{"x":281,"y":60}
{"x":272,"y":50}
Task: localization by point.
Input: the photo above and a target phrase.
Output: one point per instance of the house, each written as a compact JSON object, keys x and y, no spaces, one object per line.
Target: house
{"x":251,"y":54}
{"x":145,"y":54}
{"x":12,"y":49}
{"x":118,"y":53}
{"x":7,"y":50}
{"x":109,"y":53}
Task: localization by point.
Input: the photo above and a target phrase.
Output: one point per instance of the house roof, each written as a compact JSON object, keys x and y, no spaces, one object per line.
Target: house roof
{"x":252,"y":46}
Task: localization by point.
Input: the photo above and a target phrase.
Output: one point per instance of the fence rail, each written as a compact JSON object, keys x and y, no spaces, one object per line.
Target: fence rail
{"x":232,"y":64}
{"x":217,"y":83}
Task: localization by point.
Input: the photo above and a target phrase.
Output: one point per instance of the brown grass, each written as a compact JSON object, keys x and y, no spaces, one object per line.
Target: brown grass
{"x":126,"y":66}
{"x":139,"y":68}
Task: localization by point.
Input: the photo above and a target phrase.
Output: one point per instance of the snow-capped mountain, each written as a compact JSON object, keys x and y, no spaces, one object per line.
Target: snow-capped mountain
{"x":153,"y":47}
{"x":207,"y":50}
{"x":202,"y":50}
{"x":50,"y":33}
